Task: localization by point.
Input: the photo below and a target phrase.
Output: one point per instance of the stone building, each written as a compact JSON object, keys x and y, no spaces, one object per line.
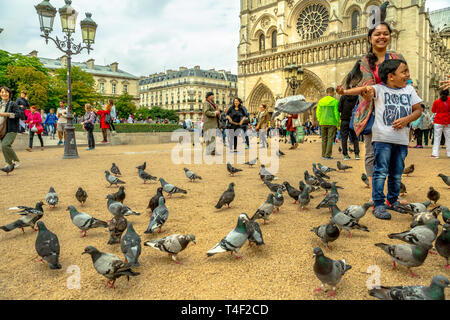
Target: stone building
{"x":184,"y":90}
{"x":326,"y":38}
{"x":111,"y":82}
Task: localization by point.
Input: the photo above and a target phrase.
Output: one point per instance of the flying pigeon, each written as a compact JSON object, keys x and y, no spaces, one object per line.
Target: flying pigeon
{"x":365,"y":180}
{"x":232,"y":170}
{"x":329,"y":271}
{"x":112,"y":179}
{"x":52,"y":198}
{"x":145,"y":176}
{"x":409,"y":255}
{"x":445,"y":178}
{"x":409,"y":170}
{"x":227,"y":197}
{"x":191,"y":175}
{"x":442,"y":244}
{"x":327,"y":233}
{"x":131,"y":246}
{"x":436,"y":291}
{"x":115,"y":170}
{"x":30,"y":217}
{"x":325,"y":169}
{"x":159,"y":217}
{"x":154,"y":202}
{"x":47,"y":246}
{"x":116,"y":228}
{"x":265,"y":210}
{"x":357,"y":212}
{"x":8,"y":169}
{"x":170,"y":189}
{"x":419,"y":235}
{"x":345,"y":222}
{"x":119,"y":209}
{"x":84,"y":222}
{"x":318,"y":173}
{"x":172,"y":245}
{"x":433,"y":195}
{"x":120,"y":195}
{"x":234,"y":240}
{"x":81,"y":196}
{"x":343,"y":167}
{"x":278,"y":199}
{"x":293,"y":193}
{"x":109,"y":266}
{"x":331,"y":199}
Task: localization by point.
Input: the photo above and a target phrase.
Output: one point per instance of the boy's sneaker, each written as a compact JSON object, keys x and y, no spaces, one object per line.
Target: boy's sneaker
{"x":395,"y":207}
{"x":357,"y":157}
{"x":381,"y":213}
{"x":434,"y":157}
{"x":346,"y":158}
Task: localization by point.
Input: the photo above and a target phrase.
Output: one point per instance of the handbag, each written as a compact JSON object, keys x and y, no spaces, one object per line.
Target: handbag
{"x":39,"y":128}
{"x":368,"y":129}
{"x":107,"y":118}
{"x":88,"y":126}
{"x":34,"y":129}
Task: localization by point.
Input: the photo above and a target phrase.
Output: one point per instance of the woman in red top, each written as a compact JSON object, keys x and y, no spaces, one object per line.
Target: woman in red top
{"x":441,"y":123}
{"x":105,"y":118}
{"x":291,"y":129}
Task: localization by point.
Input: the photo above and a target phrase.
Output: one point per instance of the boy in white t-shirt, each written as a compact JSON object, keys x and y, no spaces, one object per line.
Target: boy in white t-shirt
{"x":396,"y":106}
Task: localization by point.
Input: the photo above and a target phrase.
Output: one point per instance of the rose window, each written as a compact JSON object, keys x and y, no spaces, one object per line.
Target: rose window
{"x":313,"y":22}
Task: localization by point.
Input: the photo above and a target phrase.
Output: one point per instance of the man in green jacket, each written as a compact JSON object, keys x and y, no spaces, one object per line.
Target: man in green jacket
{"x":329,"y":121}
{"x":211,"y":115}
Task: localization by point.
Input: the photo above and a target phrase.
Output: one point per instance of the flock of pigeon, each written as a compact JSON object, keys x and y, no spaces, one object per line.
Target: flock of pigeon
{"x":421,"y":239}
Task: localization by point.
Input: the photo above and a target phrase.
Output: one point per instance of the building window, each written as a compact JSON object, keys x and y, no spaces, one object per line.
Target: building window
{"x":262,"y":42}
{"x":114,"y":87}
{"x":274,"y":39}
{"x":355,"y":20}
{"x":313,"y":22}
{"x":125,"y":88}
{"x":102,"y":88}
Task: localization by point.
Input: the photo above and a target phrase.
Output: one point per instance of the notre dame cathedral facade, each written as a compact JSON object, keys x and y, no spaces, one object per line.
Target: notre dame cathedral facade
{"x":326,"y":38}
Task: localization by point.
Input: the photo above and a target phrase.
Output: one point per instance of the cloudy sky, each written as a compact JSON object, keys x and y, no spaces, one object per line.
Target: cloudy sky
{"x":143,"y":36}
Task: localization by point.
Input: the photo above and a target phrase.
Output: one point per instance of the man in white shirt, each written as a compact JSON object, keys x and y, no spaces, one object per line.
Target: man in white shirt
{"x":61,"y":113}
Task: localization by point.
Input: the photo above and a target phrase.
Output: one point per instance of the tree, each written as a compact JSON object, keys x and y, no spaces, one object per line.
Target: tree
{"x":160,"y":113}
{"x":125,"y":106}
{"x":33,"y":81}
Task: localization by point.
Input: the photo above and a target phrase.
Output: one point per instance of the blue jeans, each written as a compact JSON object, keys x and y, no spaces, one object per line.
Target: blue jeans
{"x":389,"y":162}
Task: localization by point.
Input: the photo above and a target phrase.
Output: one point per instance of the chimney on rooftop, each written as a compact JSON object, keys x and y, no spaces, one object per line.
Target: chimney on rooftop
{"x":90,"y":63}
{"x":115,"y":67}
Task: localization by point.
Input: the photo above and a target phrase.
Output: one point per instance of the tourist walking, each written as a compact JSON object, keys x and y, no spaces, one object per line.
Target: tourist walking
{"x":10,"y":114}
{"x":113,"y":115}
{"x":22,"y":103}
{"x":291,"y":127}
{"x":328,"y":116}
{"x":105,"y":119}
{"x":236,"y":116}
{"x":441,"y":107}
{"x":34,"y":121}
{"x":51,"y":122}
{"x":89,"y":125}
{"x":210,"y":123}
{"x":62,"y":122}
{"x":262,"y":126}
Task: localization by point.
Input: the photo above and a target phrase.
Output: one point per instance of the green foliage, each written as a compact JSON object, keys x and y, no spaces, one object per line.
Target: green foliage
{"x":125,"y":106}
{"x":136,"y":127}
{"x":156,"y":113}
{"x":33,"y":81}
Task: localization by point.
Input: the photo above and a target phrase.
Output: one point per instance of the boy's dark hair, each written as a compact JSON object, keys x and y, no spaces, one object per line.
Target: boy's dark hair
{"x":330,"y":90}
{"x":389,"y":66}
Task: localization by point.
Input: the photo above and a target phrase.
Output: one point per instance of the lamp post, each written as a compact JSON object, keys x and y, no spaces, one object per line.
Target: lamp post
{"x":294,"y":76}
{"x":68,"y":15}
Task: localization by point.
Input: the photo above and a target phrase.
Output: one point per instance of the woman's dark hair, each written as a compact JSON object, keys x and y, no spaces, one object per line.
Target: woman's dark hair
{"x":354,"y":77}
{"x":389,"y":66}
{"x":444,"y":94}
{"x":371,"y":56}
{"x":240,"y":101}
{"x":7,"y":90}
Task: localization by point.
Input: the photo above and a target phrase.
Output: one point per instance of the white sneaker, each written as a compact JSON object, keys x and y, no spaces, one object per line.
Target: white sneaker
{"x":16,"y":164}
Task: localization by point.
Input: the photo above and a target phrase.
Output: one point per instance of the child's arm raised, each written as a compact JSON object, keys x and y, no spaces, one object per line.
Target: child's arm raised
{"x":403,"y":122}
{"x":367,"y":92}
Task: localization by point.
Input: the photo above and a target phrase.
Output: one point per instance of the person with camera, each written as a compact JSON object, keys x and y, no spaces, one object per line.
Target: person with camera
{"x":105,"y":120}
{"x":88,"y":125}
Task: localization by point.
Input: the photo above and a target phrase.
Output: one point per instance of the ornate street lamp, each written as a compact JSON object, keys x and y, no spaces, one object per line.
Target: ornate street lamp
{"x":68,"y":15}
{"x":294,"y":76}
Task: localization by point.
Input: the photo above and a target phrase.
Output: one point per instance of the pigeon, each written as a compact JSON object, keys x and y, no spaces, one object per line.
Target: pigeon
{"x":419,"y":235}
{"x":329,"y":271}
{"x":146,"y":176}
{"x":445,"y":178}
{"x":326,"y":185}
{"x":442,"y":244}
{"x":357,"y":212}
{"x":159,"y":217}
{"x":383,"y":9}
{"x":265,"y":210}
{"x":365,"y":180}
{"x":265,"y":175}
{"x":413,"y":208}
{"x":227,"y":197}
{"x":403,"y":191}
{"x":115,"y":170}
{"x":436,"y":291}
{"x":433,"y":195}
{"x":234,"y":240}
{"x":273,"y":186}
{"x":142,"y":167}
{"x":47,"y":246}
{"x":119,"y":209}
{"x":302,"y":185}
{"x":280,"y":153}
{"x":109,"y":266}
{"x":252,"y":162}
{"x":81,"y":196}
{"x":424,"y":218}
{"x":445,"y":214}
{"x":191,"y":175}
{"x":409,"y":255}
{"x":154,"y":202}
{"x":343,"y":167}
{"x":8,"y":169}
{"x":131,"y":246}
{"x":119,"y":196}
{"x":330,"y":199}
{"x":84,"y":222}
{"x":318,"y":173}
{"x":232,"y":170}
{"x":112,"y":179}
{"x":293,"y":193}
{"x":327,"y":233}
{"x":311,"y":180}
{"x":52,"y":198}
{"x":346,"y":222}
{"x":172,"y":244}
{"x":30,"y":217}
{"x":278,"y":199}
{"x":116,"y":228}
{"x":254,"y":233}
{"x":325,"y":169}
{"x":409,"y":170}
{"x":304,"y":198}
{"x":170,"y":189}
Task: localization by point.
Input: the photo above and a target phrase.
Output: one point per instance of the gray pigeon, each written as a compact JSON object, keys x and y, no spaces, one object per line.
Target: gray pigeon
{"x":154,"y":201}
{"x":311,"y":180}
{"x":84,"y":222}
{"x":274,"y":186}
{"x":81,"y":196}
{"x":254,"y":233}
{"x":109,"y":266}
{"x":345,"y":222}
{"x":52,"y":198}
{"x":413,"y":208}
{"x":120,"y":195}
{"x":227,"y":197}
{"x":419,"y":235}
{"x":252,"y":162}
{"x":30,"y":217}
{"x":47,"y":246}
{"x":119,"y":209}
{"x":112,"y":180}
{"x":115,"y":170}
{"x":442,"y":244}
{"x":131,"y":246}
{"x":423,"y":218}
{"x":234,"y":240}
{"x":365,"y":180}
{"x":159,"y":217}
{"x":329,"y":271}
{"x":265,"y":210}
{"x":343,"y":167}
{"x":8,"y":169}
{"x":327,"y":233}
{"x":357,"y":212}
{"x":142,"y":166}
{"x":191,"y":175}
{"x":318,"y":173}
{"x":445,"y":178}
{"x":304,"y":198}
{"x":232,"y":170}
{"x":116,"y":228}
{"x":145,"y":176}
{"x":409,"y":255}
{"x":172,"y":245}
{"x":331,"y":199}
{"x":436,"y":291}
{"x":292,"y":192}
{"x":302,"y":185}
{"x":278,"y":199}
{"x":265,"y":175}
{"x":170,"y":188}
{"x":325,"y":169}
